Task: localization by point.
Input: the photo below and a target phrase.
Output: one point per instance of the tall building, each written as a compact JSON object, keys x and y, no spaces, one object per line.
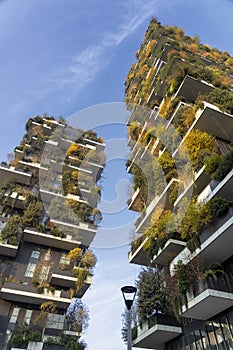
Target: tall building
{"x":180,"y":132}
{"x":49,"y":217}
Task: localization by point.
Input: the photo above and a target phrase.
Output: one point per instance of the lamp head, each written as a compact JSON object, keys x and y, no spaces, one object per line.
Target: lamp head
{"x":129,"y":293}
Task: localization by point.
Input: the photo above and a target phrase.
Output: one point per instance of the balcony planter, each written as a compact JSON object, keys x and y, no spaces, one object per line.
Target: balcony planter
{"x":171,"y":248}
{"x":207,"y":298}
{"x":156,"y":331}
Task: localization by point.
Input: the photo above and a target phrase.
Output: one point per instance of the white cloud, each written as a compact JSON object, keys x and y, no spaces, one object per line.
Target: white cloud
{"x":85,"y":65}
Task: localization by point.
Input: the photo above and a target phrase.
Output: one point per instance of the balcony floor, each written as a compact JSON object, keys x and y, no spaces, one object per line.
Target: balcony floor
{"x":207,"y":304}
{"x":156,"y":337}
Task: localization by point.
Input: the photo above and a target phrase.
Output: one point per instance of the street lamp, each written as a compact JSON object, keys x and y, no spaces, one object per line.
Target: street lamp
{"x":129,"y":293}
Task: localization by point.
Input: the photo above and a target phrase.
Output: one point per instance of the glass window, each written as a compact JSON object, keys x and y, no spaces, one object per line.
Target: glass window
{"x":230,"y":321}
{"x":211,"y":335}
{"x":14,"y":315}
{"x":27,"y":317}
{"x":219,"y":336}
{"x":198,"y":339}
{"x":30,"y":270}
{"x":64,"y":262}
{"x":35,"y":254}
{"x":226,"y":332}
{"x":191,"y":339}
{"x":55,"y":321}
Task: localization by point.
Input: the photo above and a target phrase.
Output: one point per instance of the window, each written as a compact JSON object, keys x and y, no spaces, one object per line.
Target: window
{"x":55,"y":321}
{"x":64,"y":262}
{"x":27,"y":317}
{"x":30,"y":270}
{"x":14,"y":315}
{"x":35,"y":254}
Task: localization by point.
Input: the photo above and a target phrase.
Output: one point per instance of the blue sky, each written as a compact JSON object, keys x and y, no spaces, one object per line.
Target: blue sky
{"x":65,"y":55}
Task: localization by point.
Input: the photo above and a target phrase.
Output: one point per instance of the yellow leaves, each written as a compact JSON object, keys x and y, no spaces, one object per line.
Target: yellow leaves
{"x":74,"y":148}
{"x":165,"y":107}
{"x":75,"y":254}
{"x":189,"y":116}
{"x":37,"y":130}
{"x":199,"y":144}
{"x":89,"y":260}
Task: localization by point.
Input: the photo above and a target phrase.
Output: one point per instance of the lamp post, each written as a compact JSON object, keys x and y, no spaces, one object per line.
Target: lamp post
{"x":129,"y":293}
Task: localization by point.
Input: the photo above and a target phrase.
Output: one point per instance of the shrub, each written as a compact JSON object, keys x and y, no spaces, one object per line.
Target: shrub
{"x":12,"y":231}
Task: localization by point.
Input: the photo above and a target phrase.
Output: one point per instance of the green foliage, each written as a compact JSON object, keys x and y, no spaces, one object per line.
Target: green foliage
{"x":151,"y":295}
{"x":23,"y":334}
{"x":212,"y":163}
{"x":73,"y":344}
{"x":81,"y":275}
{"x":224,"y":166}
{"x":88,"y":260}
{"x":33,"y":214}
{"x":167,"y":163}
{"x":217,"y":207}
{"x":195,"y":219}
{"x":223,"y":98}
{"x":12,"y":231}
{"x":200,"y":145}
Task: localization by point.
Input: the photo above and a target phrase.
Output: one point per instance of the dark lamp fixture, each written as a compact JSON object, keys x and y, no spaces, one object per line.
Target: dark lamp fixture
{"x":129,"y":293}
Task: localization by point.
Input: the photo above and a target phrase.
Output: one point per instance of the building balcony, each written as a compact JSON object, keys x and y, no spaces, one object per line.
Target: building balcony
{"x":190,"y":88}
{"x":86,"y":284}
{"x":96,"y":144}
{"x":73,"y":167}
{"x":215,"y":122}
{"x":139,"y":256}
{"x":19,"y":154}
{"x":134,"y":198}
{"x":8,"y":249}
{"x":46,"y":128}
{"x":207,"y":299}
{"x":32,"y":166}
{"x":10,"y":172}
{"x":63,"y":278}
{"x":47,"y":239}
{"x":27,"y":294}
{"x":160,"y":200}
{"x":218,"y":234}
{"x":171,"y":248}
{"x":223,"y":188}
{"x":195,"y":187}
{"x":83,"y":232}
{"x":15,"y":200}
{"x":48,"y":195}
{"x":156,"y":331}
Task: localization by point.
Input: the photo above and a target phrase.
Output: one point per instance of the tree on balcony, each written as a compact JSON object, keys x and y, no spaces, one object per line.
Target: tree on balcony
{"x":77,"y":315}
{"x":33,"y":214}
{"x":12,"y":231}
{"x":151,"y":295}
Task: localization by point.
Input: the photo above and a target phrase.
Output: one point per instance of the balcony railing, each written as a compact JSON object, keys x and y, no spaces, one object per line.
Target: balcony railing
{"x":8,"y":249}
{"x":138,"y":255}
{"x":162,"y":199}
{"x":218,"y":234}
{"x":27,"y":294}
{"x":156,"y":331}
{"x":171,"y":248}
{"x":34,"y":236}
{"x":21,"y":176}
{"x":208,"y":298}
